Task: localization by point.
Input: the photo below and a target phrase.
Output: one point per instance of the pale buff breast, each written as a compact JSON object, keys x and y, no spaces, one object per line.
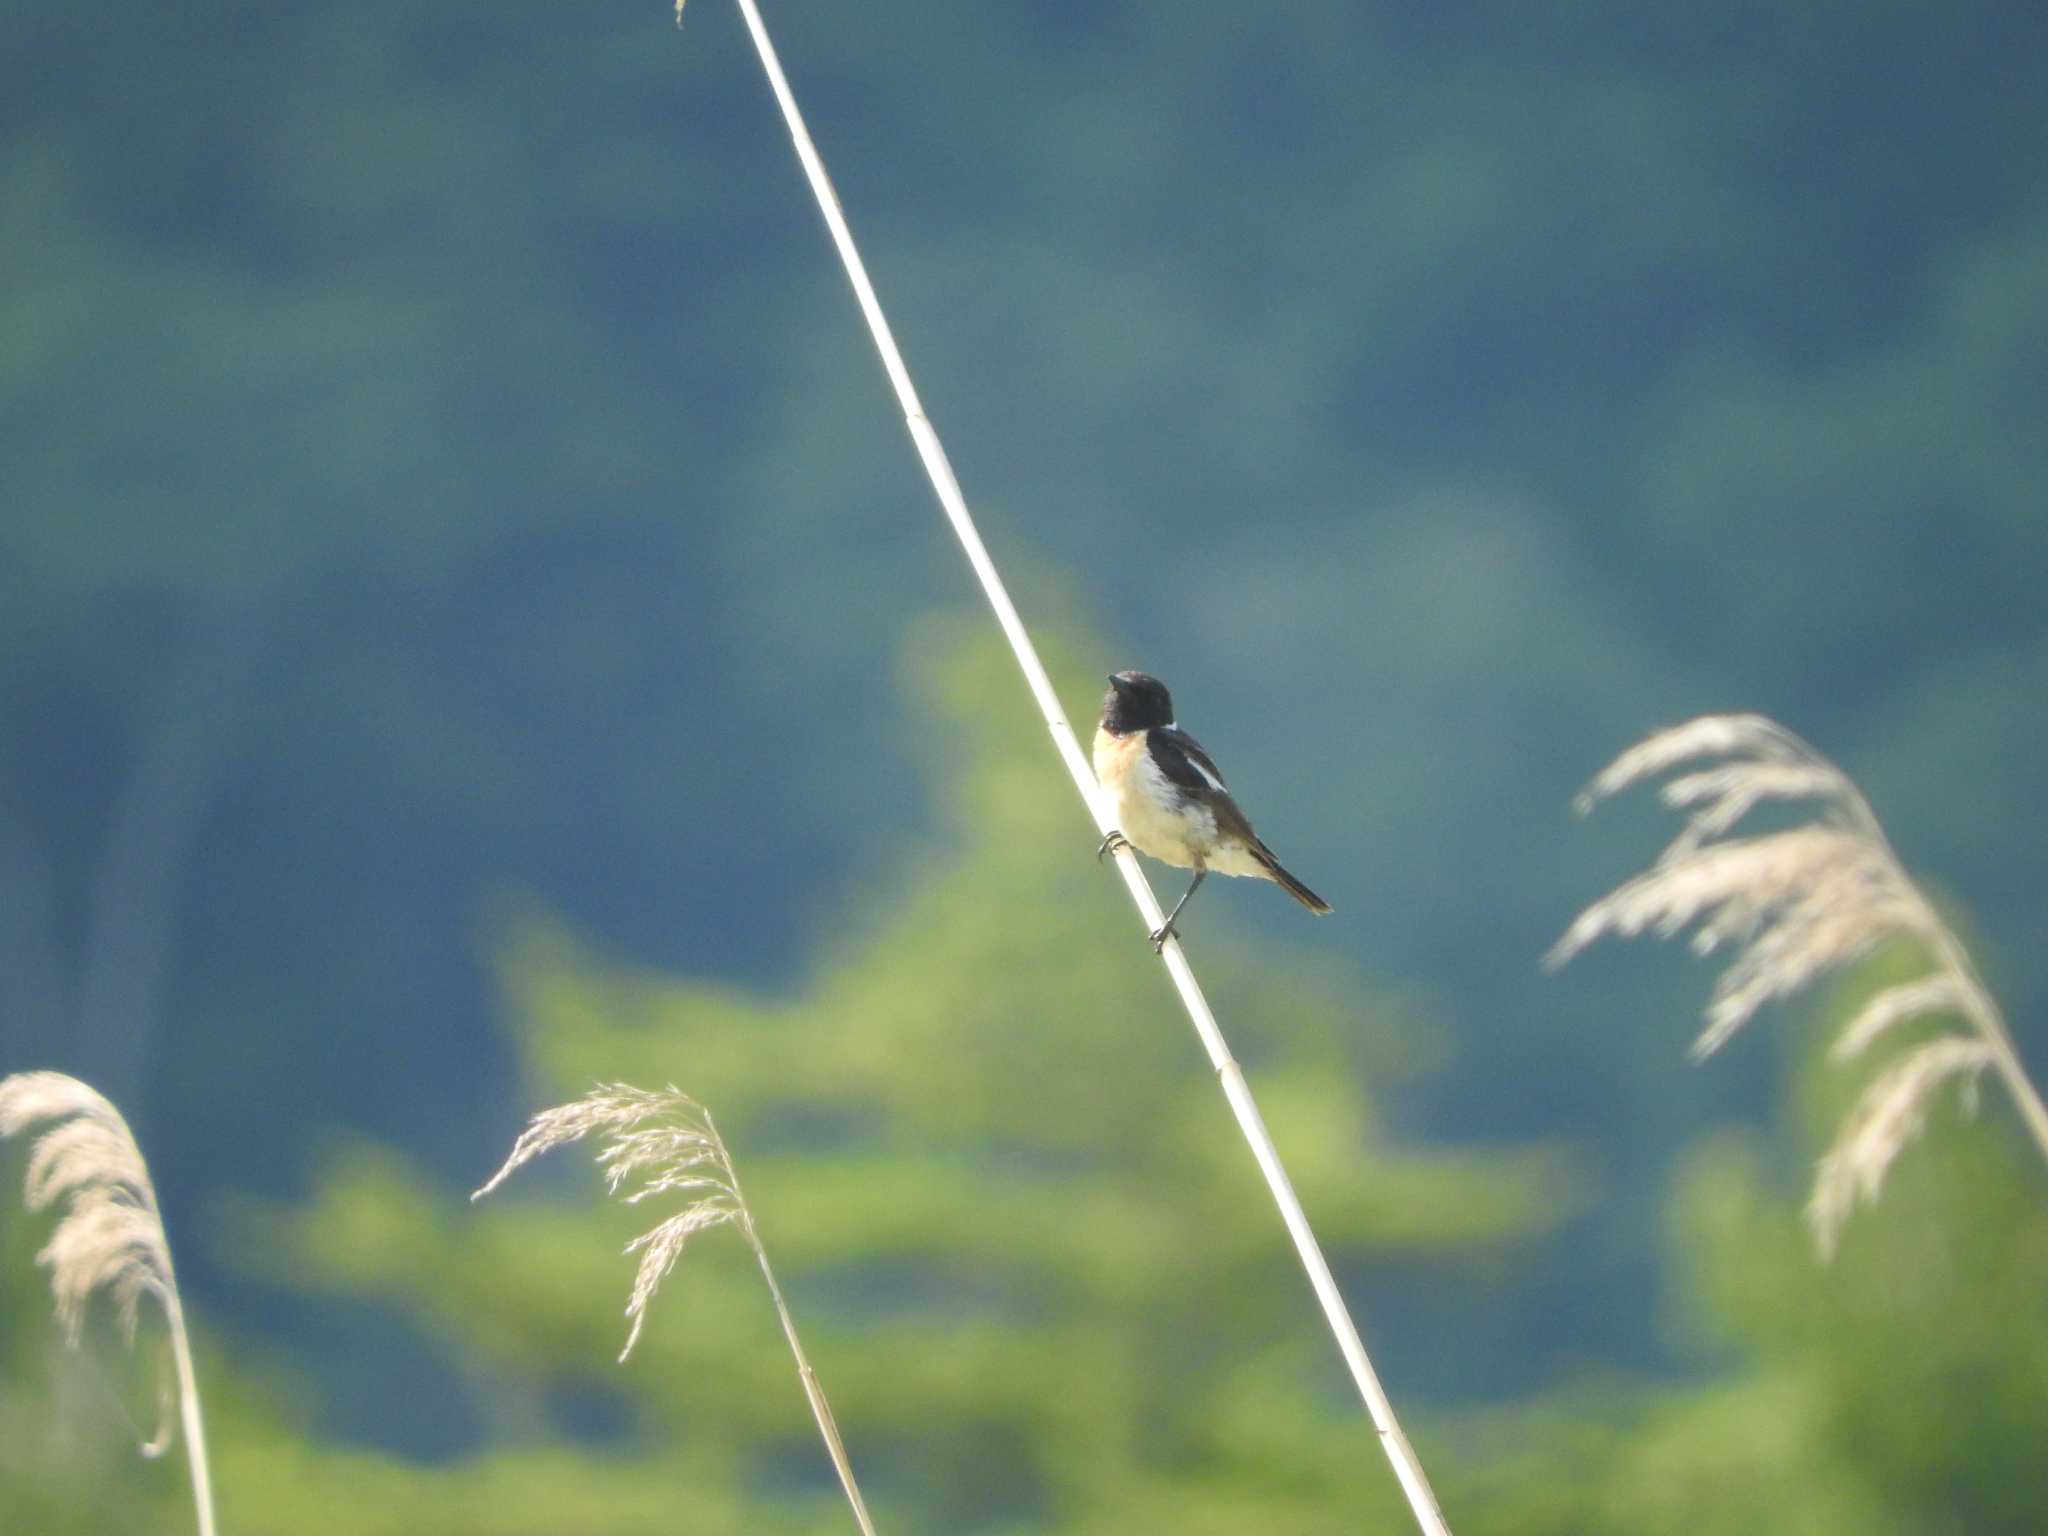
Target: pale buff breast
{"x":1148,"y":808}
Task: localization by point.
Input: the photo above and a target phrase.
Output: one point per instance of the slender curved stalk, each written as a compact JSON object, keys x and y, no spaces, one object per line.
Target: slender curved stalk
{"x":1973,"y":999}
{"x":188,"y":1414}
{"x":814,"y":1391}
{"x":1414,"y":1483}
{"x":1983,"y":1012}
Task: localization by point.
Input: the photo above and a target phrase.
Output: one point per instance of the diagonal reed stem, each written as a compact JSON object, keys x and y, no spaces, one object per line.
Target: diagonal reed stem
{"x":814,"y":1391}
{"x":1414,"y":1482}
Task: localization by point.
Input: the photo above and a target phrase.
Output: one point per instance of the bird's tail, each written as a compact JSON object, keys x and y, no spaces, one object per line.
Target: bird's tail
{"x":1277,"y":873}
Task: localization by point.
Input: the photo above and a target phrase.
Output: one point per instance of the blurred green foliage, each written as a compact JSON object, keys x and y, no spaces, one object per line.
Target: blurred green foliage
{"x":1036,"y":1265}
{"x":1039,"y":1275}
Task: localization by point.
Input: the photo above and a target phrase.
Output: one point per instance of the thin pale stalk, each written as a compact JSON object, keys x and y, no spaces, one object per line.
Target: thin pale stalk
{"x":814,"y":1391}
{"x":1979,"y":1006}
{"x":1407,"y":1469}
{"x":821,"y":1410}
{"x":188,"y":1414}
{"x":1986,"y":1017}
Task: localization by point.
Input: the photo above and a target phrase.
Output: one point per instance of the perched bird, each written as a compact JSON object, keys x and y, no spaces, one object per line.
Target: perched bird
{"x":1169,"y":799}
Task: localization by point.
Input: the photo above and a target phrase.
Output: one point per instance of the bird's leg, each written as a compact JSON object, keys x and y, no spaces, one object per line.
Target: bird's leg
{"x":1160,"y":934}
{"x":1111,"y":842}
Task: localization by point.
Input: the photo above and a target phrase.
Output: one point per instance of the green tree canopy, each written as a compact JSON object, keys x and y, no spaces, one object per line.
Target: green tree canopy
{"x":1033,"y":1260}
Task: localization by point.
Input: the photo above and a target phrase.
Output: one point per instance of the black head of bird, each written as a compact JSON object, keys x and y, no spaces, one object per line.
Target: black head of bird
{"x":1136,"y":701}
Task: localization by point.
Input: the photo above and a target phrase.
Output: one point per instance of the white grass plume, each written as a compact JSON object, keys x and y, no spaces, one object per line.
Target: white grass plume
{"x":109,"y":1239}
{"x":666,"y":1143}
{"x":1791,"y":906}
{"x":665,"y":1137}
{"x":1890,"y":1114}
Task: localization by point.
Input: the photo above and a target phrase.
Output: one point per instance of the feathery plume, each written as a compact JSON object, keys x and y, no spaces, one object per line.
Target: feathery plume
{"x":109,"y":1239}
{"x":1792,"y":906}
{"x":667,"y":1137}
{"x":1892,"y":1111}
{"x":666,"y":1143}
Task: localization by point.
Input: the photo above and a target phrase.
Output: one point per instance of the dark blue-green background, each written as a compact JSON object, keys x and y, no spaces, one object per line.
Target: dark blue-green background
{"x":444,"y":471}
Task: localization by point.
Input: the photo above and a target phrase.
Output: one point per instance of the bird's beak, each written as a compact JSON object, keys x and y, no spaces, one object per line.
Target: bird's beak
{"x":1112,"y":679}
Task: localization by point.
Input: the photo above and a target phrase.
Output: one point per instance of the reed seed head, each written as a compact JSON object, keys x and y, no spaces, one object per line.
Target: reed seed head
{"x":110,"y":1236}
{"x":655,"y":1143}
{"x":1786,"y":908}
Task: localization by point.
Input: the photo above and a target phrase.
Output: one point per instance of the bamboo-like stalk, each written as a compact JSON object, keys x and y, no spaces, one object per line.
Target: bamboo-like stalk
{"x":1407,"y":1468}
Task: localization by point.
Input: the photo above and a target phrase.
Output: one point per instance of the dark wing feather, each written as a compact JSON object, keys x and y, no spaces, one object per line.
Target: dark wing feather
{"x":1187,"y":767}
{"x":1181,"y":758}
